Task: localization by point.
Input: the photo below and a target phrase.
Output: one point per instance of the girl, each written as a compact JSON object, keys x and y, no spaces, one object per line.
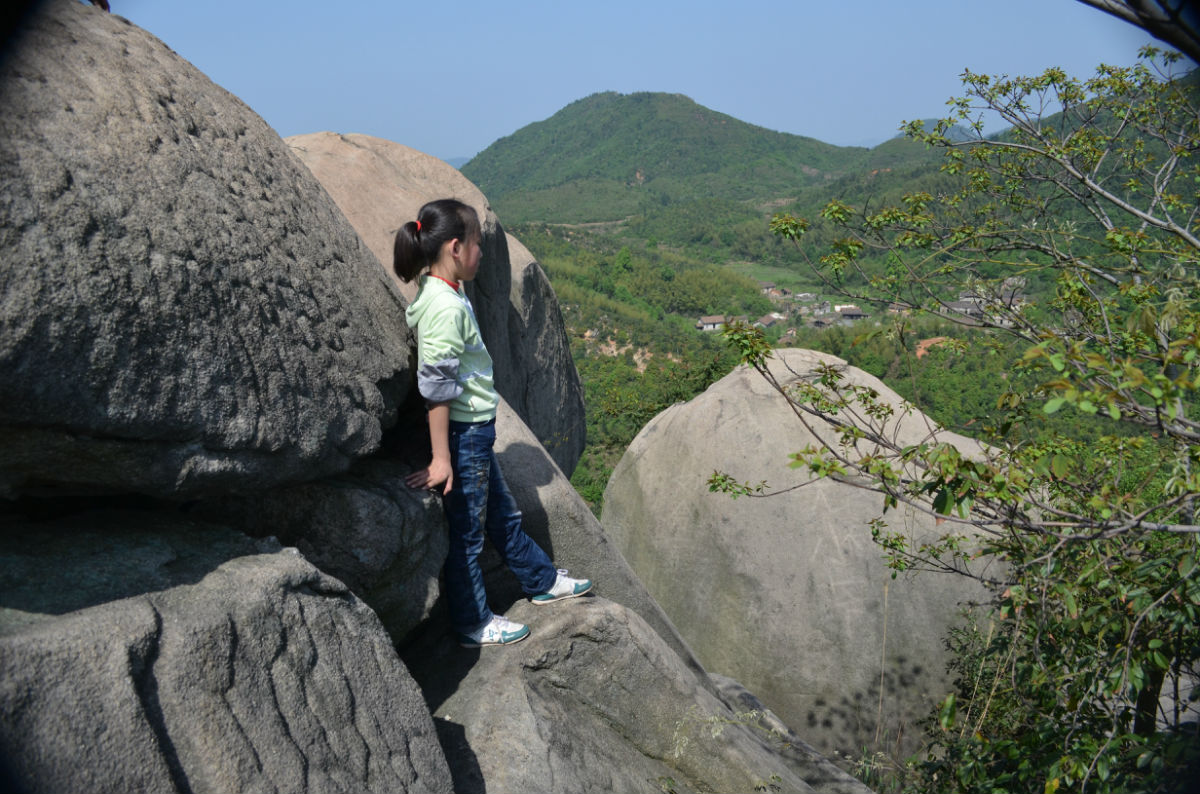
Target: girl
{"x":455,"y":378}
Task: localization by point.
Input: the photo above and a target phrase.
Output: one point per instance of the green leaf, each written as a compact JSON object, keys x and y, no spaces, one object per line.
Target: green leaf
{"x":947,"y":711}
{"x":1053,"y":405}
{"x":1060,"y":465}
{"x":1069,"y":602}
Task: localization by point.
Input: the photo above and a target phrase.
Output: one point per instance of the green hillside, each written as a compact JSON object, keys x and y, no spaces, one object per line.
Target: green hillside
{"x":612,"y":155}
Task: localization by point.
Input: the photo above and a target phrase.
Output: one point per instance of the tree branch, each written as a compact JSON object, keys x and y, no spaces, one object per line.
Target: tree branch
{"x":1175,"y":23}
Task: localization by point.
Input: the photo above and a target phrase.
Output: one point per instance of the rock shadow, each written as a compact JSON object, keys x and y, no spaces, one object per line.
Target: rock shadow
{"x":839,"y":724}
{"x":527,"y":468}
{"x":463,"y":763}
{"x":108,"y":548}
{"x":439,"y":666}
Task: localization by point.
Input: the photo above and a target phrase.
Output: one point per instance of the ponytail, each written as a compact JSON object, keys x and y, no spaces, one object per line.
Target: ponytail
{"x":418,"y":243}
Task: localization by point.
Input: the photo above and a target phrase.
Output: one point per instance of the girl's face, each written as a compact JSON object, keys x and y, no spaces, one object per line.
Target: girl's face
{"x":467,"y":257}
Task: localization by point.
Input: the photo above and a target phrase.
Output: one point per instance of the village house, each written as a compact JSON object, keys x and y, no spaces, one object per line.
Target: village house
{"x":989,"y":300}
{"x":970,"y":307}
{"x":711,"y":322}
{"x":769,"y":320}
{"x":851,"y":314}
{"x":774,"y":291}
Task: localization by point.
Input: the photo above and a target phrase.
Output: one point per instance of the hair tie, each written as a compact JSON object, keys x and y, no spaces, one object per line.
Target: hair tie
{"x":418,"y":225}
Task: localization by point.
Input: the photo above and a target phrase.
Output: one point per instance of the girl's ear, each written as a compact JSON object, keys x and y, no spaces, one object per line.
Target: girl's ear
{"x":450,"y":248}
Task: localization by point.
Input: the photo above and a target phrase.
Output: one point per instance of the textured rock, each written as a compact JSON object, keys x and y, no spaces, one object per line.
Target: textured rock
{"x":232,"y":671}
{"x":595,"y":701}
{"x":380,"y":185}
{"x":386,"y":541}
{"x":788,"y":594}
{"x":182,"y":308}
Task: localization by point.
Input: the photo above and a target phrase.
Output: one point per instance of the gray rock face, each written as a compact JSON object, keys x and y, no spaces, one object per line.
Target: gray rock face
{"x":233,"y":670}
{"x":595,"y":701}
{"x":380,"y":185}
{"x":386,"y":541}
{"x":182,"y":308}
{"x":787,"y":594}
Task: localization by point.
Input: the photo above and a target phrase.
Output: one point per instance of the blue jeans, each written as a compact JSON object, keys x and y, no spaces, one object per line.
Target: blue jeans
{"x":480,"y":501}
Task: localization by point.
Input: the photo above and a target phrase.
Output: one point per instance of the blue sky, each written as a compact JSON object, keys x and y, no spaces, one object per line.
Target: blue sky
{"x":449,"y":78}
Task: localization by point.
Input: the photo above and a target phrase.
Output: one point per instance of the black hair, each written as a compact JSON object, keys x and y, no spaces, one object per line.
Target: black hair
{"x":418,"y":243}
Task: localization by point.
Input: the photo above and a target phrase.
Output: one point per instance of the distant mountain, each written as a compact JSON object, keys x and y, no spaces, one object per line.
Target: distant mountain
{"x":612,"y":155}
{"x":957,"y":132}
{"x":458,"y":162}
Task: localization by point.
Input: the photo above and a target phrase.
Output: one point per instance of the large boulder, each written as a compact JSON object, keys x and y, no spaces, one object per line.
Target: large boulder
{"x":186,"y":657}
{"x":788,"y":594}
{"x":380,"y":185}
{"x":182,"y":307}
{"x":595,"y":701}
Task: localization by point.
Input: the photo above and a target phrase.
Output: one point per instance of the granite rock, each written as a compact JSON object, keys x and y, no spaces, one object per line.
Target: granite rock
{"x":787,"y":594}
{"x":187,"y":657}
{"x":183,"y":309}
{"x":595,"y":701}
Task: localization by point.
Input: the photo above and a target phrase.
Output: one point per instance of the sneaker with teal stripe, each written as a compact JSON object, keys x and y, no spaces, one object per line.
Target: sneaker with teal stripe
{"x":563,"y":587}
{"x":499,"y":631}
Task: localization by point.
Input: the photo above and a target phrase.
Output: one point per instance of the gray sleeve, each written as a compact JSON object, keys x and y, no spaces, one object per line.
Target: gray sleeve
{"x":438,"y":382}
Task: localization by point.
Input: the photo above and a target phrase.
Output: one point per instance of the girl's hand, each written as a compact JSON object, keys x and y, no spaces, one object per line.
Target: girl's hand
{"x":437,"y":472}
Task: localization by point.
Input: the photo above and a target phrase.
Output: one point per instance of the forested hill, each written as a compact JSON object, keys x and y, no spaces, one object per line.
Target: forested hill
{"x":612,"y":155}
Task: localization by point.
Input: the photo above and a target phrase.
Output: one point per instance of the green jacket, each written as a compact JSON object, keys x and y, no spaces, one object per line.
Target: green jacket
{"x":453,"y":364}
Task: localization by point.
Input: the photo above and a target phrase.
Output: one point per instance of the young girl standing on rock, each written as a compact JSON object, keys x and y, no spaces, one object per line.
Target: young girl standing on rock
{"x":455,"y":378}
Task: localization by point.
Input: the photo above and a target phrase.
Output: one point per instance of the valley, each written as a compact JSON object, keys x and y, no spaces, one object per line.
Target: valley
{"x":650,"y":213}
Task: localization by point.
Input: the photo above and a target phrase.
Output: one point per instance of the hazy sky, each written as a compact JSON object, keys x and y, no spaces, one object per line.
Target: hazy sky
{"x":450,"y":77}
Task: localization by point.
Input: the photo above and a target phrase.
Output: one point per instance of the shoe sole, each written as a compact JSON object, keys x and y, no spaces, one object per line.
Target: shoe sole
{"x":469,"y":644}
{"x":545,"y":601}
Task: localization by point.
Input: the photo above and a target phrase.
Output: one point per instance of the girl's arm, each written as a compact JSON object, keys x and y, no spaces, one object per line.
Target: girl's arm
{"x":439,"y":469}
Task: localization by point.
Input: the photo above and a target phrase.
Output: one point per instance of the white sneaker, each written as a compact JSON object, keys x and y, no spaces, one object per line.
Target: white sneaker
{"x":563,"y":587}
{"x":499,"y":631}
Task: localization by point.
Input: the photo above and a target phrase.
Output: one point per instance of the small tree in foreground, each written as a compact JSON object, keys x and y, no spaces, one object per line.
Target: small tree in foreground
{"x":1083,"y":680}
